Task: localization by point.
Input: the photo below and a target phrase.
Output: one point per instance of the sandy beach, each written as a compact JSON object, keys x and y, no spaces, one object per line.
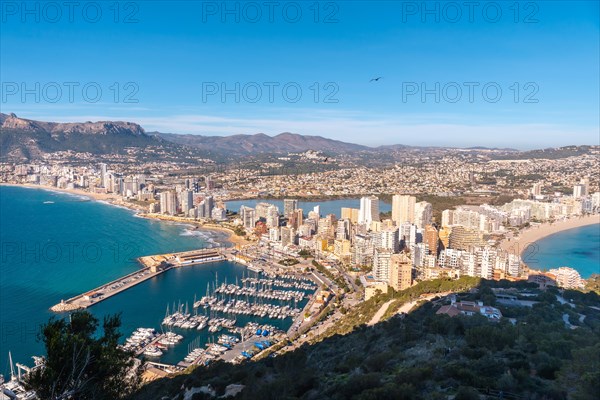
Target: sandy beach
{"x":517,"y":245}
{"x":78,"y":192}
{"x":115,"y":200}
{"x":231,"y":238}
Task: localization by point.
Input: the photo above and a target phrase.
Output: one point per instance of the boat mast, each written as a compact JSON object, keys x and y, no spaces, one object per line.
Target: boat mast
{"x":12,"y":367}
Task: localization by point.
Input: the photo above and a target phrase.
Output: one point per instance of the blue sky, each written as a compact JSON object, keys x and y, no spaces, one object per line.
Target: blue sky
{"x":524,"y":76}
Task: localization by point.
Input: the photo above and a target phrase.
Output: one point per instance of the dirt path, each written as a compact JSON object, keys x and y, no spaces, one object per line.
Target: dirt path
{"x":380,"y":312}
{"x":405,"y":308}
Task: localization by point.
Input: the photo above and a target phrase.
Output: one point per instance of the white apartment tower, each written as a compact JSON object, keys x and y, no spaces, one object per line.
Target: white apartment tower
{"x":578,"y":191}
{"x":272,"y":217}
{"x":486,"y":258}
{"x":274,"y":234}
{"x":403,"y":209}
{"x":381,"y":264}
{"x":103,"y":171}
{"x":248,"y":216}
{"x":187,"y":201}
{"x":388,"y":239}
{"x":423,"y":214}
{"x":168,"y":203}
{"x":369,"y":210}
{"x":342,"y":231}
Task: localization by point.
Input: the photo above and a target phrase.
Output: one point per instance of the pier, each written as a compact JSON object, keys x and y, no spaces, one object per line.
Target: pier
{"x":151,"y":266}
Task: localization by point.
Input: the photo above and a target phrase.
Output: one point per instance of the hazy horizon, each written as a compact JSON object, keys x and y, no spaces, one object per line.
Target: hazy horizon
{"x":75,"y":120}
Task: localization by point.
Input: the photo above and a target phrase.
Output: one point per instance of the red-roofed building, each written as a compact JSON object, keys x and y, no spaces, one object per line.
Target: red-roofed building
{"x":471,"y":308}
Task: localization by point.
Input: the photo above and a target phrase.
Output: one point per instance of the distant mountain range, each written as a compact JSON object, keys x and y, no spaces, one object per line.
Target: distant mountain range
{"x":24,"y":139}
{"x":260,"y":143}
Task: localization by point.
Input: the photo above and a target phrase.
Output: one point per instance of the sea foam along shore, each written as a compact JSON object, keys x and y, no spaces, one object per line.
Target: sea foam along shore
{"x":141,"y":211}
{"x":518,"y":245}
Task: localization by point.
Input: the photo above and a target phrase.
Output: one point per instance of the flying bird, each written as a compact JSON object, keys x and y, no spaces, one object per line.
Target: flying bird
{"x":376,"y":79}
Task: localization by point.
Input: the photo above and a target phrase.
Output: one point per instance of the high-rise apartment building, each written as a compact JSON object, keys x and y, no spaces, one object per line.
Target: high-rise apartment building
{"x":103,"y":172}
{"x":288,"y":235}
{"x":289,"y":206}
{"x":274,"y":234}
{"x":431,"y":239}
{"x":462,"y":238}
{"x":295,"y":218}
{"x":387,"y":239}
{"x":272,"y":216}
{"x":401,"y":271}
{"x":168,"y":203}
{"x":261,"y":209}
{"x":447,"y":218}
{"x":486,"y":258}
{"x":187,"y":201}
{"x":407,"y":234}
{"x":513,"y":265}
{"x":342,"y":231}
{"x":362,"y":251}
{"x":248,"y":217}
{"x":369,"y":210}
{"x":423,"y":214}
{"x":351,"y":214}
{"x":403,"y":209}
{"x":317,"y":210}
{"x":325,"y":227}
{"x":381,"y":264}
{"x":209,"y":204}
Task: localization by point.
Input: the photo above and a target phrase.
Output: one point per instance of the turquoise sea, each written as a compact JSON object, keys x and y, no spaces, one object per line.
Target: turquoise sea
{"x":55,"y":245}
{"x":578,"y":248}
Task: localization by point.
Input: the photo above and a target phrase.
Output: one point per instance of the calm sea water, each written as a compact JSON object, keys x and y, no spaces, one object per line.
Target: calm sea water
{"x":578,"y":248}
{"x":54,"y":246}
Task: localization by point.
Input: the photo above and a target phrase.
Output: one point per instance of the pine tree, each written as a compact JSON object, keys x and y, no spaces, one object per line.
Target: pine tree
{"x":80,"y":364}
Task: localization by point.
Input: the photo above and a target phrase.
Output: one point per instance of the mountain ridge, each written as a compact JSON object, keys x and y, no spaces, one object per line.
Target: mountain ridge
{"x":27,"y":139}
{"x":22,"y":138}
{"x":244,"y":144}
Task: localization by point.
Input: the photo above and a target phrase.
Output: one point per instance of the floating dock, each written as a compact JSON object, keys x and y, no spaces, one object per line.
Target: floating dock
{"x":151,"y":266}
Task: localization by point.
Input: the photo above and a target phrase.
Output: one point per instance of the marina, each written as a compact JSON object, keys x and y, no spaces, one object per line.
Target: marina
{"x":227,"y":323}
{"x":242,"y":302}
